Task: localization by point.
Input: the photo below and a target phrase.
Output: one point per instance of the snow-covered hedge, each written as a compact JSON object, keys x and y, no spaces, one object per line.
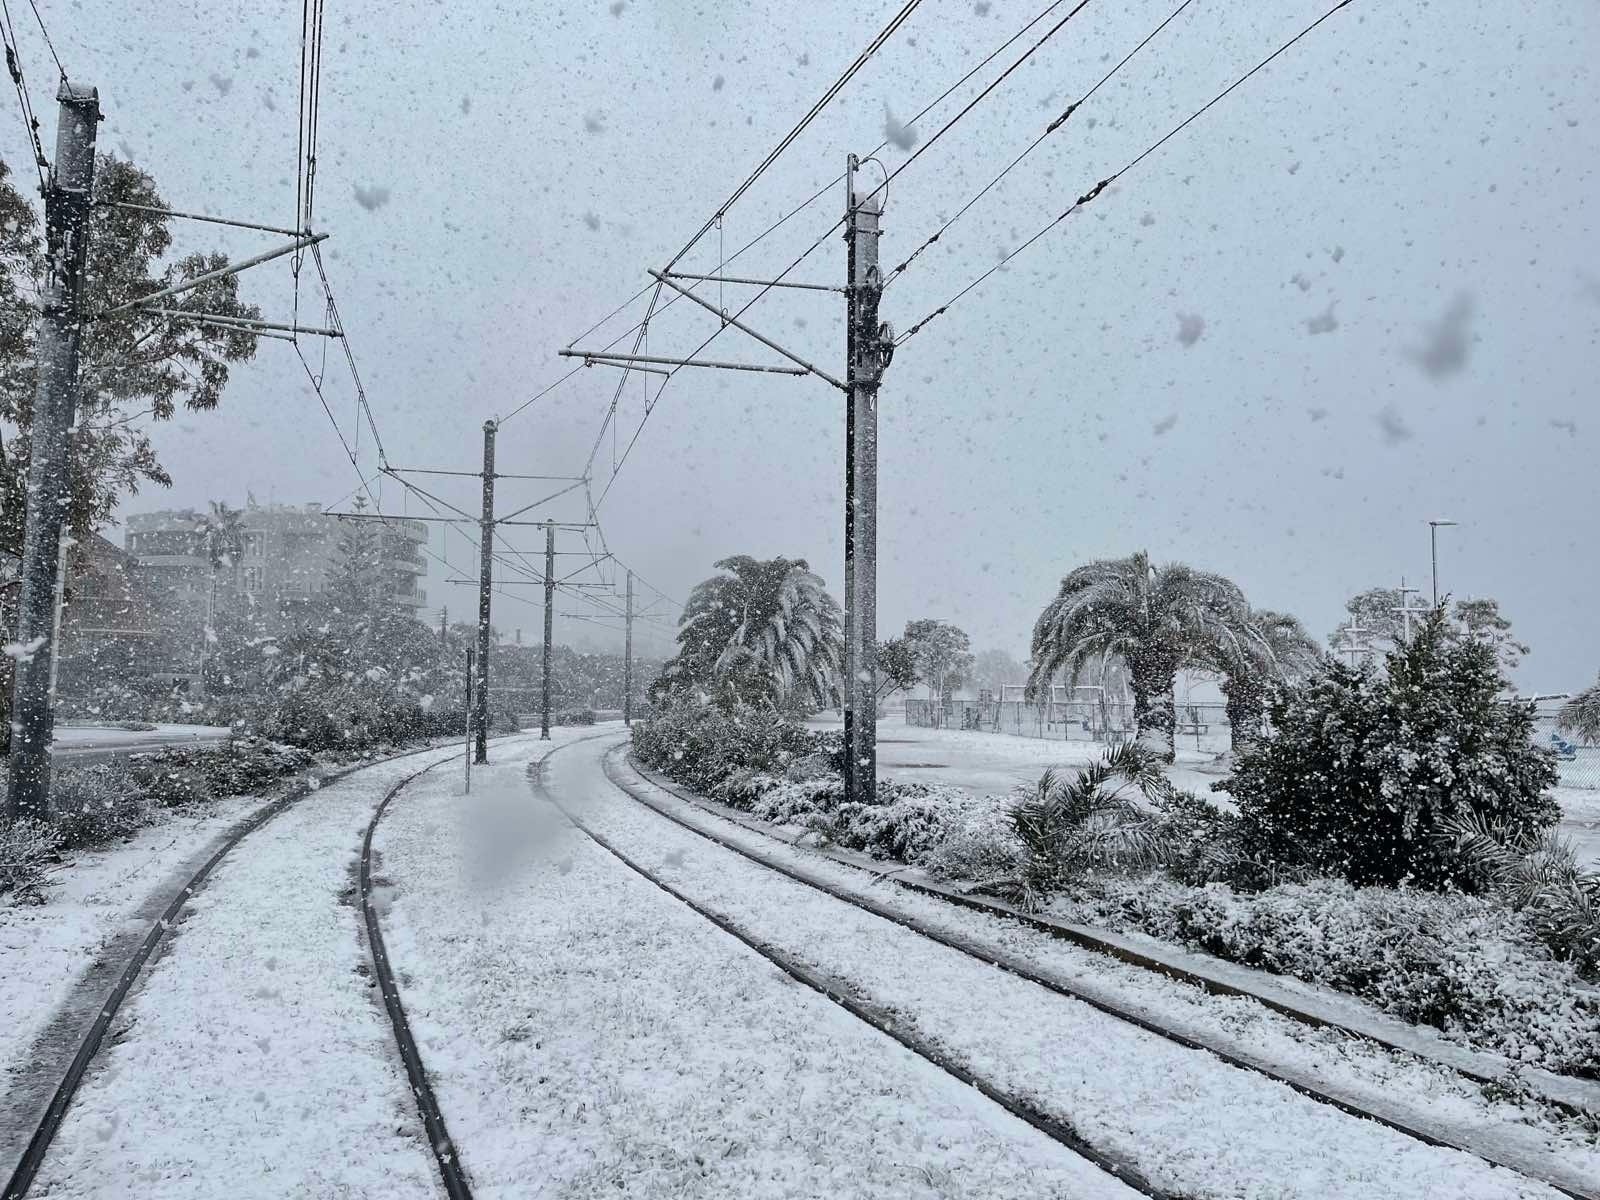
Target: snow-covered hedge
{"x":724,"y":753}
{"x":1465,"y":965}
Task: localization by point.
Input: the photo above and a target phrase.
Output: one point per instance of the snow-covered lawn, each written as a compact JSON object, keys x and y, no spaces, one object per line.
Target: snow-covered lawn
{"x":1188,"y":1120}
{"x":589,"y":1036}
{"x":255,"y":1059}
{"x":99,"y":904}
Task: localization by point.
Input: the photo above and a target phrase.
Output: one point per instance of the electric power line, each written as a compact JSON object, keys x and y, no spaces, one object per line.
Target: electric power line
{"x":24,"y":101}
{"x":1033,"y":145}
{"x":873,"y":47}
{"x":1094,"y":193}
{"x":981,"y":96}
{"x":781,"y":221}
{"x":48,"y":43}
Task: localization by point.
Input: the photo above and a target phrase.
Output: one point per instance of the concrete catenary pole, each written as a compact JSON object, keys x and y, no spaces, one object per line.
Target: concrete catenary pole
{"x":627,"y":655}
{"x":549,"y":622}
{"x":60,"y":335}
{"x":485,"y":580}
{"x":867,"y":350}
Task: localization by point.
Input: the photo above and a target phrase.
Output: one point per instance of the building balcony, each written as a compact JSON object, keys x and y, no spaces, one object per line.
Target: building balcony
{"x":414,"y":599}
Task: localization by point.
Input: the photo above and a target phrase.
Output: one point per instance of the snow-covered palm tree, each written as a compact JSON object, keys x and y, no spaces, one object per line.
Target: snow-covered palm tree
{"x":1580,"y":716}
{"x":1155,"y":618}
{"x":762,"y":632}
{"x":1258,"y":647}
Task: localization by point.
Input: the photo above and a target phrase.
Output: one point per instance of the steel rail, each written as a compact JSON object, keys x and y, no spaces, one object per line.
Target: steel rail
{"x":454,"y":1176}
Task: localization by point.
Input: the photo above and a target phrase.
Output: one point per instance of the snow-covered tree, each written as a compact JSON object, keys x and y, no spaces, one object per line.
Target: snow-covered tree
{"x":1155,"y":618}
{"x":1363,"y":770}
{"x":942,"y":653}
{"x":762,"y":632}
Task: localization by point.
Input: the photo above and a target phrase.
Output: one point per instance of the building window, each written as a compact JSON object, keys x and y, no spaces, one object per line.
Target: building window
{"x":255,"y":545}
{"x":252,"y":579}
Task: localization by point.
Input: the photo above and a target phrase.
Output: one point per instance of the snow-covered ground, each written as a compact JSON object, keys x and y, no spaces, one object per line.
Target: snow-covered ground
{"x":255,"y":1059}
{"x":1186,"y":1119}
{"x":983,"y":762}
{"x":589,"y":1036}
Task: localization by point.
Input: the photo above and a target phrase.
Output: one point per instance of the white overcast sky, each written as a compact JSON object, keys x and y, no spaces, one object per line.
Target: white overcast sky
{"x":1385,"y":244}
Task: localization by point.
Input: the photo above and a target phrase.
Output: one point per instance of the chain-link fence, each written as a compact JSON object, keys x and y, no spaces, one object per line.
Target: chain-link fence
{"x":1202,"y":727}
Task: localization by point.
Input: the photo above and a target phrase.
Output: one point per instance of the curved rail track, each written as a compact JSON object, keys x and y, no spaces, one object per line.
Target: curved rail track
{"x":49,"y":1124}
{"x":1571,"y":1186}
{"x":451,"y":1172}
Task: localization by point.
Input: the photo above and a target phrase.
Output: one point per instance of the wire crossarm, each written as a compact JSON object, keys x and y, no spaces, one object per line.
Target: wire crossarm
{"x":597,"y":358}
{"x":660,"y":277}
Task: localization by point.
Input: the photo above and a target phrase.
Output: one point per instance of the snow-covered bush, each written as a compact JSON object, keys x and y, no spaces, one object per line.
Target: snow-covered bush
{"x":1466,"y":965}
{"x":26,"y":847}
{"x":980,"y":845}
{"x":795,"y":801}
{"x":241,"y":767}
{"x":1361,"y":771}
{"x":1539,"y":877}
{"x":1104,"y":818}
{"x":575,"y":716}
{"x":908,"y":821}
{"x":705,"y":747}
{"x":171,"y":778}
{"x":94,"y":805}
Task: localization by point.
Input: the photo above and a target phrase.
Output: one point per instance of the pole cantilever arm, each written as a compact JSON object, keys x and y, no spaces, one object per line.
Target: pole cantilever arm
{"x":661,"y":277}
{"x":221,"y":273}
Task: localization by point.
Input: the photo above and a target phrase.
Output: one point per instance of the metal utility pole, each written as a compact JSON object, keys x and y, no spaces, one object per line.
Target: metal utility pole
{"x":485,"y":579}
{"x":55,"y":629}
{"x":1433,"y":545}
{"x":549,"y":622}
{"x":66,"y":208}
{"x":1405,"y":610}
{"x":467,"y":756}
{"x":627,"y":656}
{"x":868,"y":348}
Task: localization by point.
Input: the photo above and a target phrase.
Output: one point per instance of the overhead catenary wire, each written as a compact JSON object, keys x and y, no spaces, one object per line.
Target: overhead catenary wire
{"x":980,"y":97}
{"x":834,"y":89}
{"x":838,"y":222}
{"x":1094,"y":192}
{"x":24,"y":100}
{"x":49,"y":44}
{"x":1049,"y":129}
{"x":780,"y":222}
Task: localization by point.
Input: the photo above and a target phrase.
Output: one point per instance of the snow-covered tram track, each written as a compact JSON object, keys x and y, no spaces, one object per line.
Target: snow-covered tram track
{"x":877,"y":1017}
{"x":1537,"y":1174}
{"x":93,"y":1038}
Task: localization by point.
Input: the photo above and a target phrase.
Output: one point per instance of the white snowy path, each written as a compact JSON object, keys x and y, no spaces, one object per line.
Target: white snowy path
{"x":588,"y":1035}
{"x":256,"y":1059}
{"x":95,"y":897}
{"x":1189,"y":1121}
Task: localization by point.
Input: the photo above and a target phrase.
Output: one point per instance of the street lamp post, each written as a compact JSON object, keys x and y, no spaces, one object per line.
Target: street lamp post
{"x":1433,"y":541}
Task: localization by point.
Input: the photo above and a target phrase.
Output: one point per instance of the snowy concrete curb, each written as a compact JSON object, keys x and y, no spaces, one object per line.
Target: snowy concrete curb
{"x":1299,"y":1002}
